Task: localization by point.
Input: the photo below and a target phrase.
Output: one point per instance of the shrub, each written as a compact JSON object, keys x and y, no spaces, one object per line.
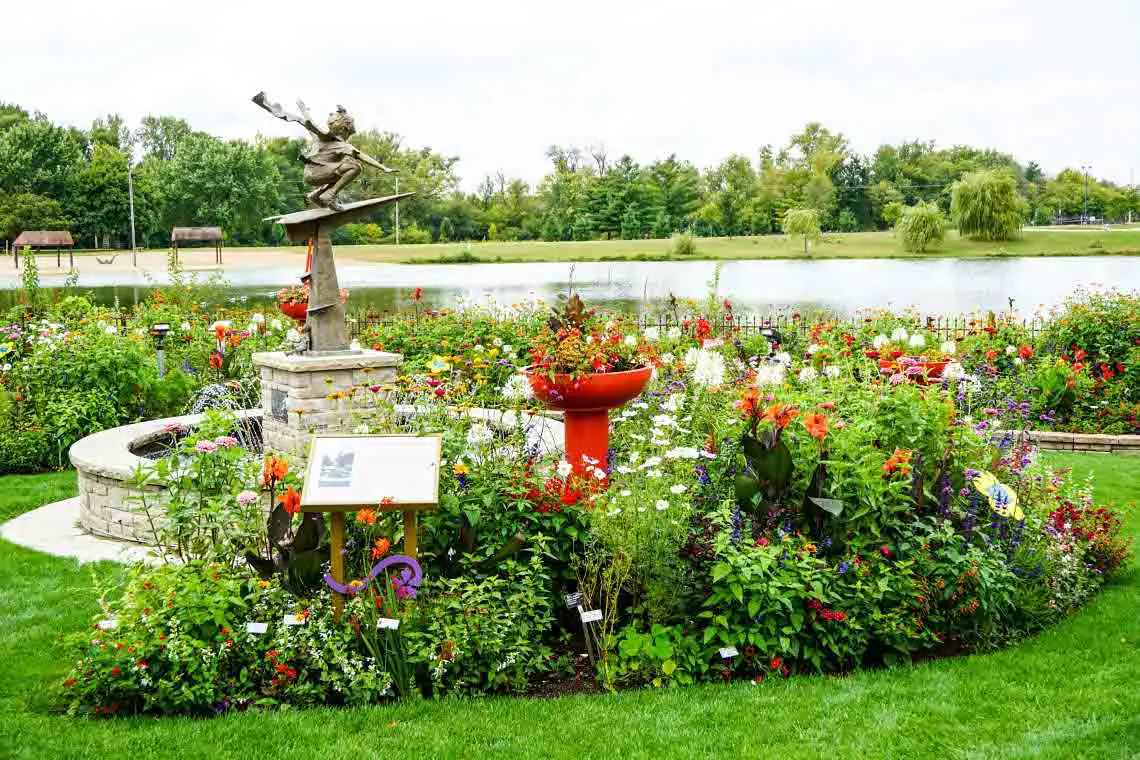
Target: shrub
{"x":683,"y":245}
{"x":921,"y":227}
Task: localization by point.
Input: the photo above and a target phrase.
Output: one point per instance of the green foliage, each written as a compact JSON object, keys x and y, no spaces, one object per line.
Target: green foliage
{"x":28,"y":211}
{"x":921,"y":227}
{"x":476,"y":634}
{"x":892,"y":213}
{"x":179,"y":645}
{"x":986,"y":206}
{"x":802,"y":223}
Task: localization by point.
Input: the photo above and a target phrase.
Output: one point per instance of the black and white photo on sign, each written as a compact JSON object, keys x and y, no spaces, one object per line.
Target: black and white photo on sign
{"x":336,"y":468}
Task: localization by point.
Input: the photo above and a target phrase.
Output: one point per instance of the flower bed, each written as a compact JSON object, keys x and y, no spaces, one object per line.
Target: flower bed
{"x":764,"y":511}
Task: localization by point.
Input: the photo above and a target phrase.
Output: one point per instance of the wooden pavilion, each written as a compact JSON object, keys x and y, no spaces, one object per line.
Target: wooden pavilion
{"x":182,"y":235}
{"x":40,"y":239}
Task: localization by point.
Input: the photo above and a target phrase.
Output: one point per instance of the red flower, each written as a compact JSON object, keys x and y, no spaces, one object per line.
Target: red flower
{"x":991,"y":355}
{"x":116,"y":671}
{"x":1025,"y":352}
{"x":216,"y":359}
{"x":886,"y":551}
{"x":418,"y":295}
{"x":872,"y":354}
{"x":291,"y":501}
{"x":776,"y":663}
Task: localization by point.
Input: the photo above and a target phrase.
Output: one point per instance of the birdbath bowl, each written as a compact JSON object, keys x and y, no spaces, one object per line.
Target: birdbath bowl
{"x":586,"y":401}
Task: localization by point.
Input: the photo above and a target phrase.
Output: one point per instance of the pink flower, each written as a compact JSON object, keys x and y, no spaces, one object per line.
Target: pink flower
{"x":205,"y":447}
{"x":897,"y":378}
{"x":245,"y":498}
{"x":226,"y":441}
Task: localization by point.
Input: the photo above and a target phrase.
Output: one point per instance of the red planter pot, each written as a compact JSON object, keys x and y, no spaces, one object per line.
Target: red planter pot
{"x":586,"y":401}
{"x":930,"y":370}
{"x":297,"y":311}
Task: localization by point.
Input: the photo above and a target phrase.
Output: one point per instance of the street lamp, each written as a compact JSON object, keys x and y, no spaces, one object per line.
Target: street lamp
{"x":1085,"y":218}
{"x":158,"y":333}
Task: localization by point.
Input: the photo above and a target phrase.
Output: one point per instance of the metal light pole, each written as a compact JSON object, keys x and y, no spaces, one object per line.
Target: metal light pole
{"x":397,"y":212}
{"x":131,"y":196}
{"x":1085,"y":219}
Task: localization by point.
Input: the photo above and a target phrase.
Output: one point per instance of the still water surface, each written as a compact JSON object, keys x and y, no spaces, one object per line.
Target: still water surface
{"x":840,"y":285}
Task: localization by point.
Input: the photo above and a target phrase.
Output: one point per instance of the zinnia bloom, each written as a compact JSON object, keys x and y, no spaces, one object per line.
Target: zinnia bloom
{"x":245,"y":498}
{"x":816,"y":424}
{"x":366,"y":516}
{"x":380,"y":548}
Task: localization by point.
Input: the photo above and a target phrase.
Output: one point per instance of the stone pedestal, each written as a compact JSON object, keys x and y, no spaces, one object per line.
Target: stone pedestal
{"x":303,"y":394}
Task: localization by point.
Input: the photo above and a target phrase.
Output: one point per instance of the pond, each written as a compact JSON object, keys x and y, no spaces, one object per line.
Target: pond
{"x":941,"y":285}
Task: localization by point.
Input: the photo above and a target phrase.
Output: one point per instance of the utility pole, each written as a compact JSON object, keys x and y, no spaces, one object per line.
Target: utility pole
{"x":131,"y":196}
{"x":397,"y":211}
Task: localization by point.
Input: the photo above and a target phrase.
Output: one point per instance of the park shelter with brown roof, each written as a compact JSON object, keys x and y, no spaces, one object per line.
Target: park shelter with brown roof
{"x":183,"y":235}
{"x":57,"y":239}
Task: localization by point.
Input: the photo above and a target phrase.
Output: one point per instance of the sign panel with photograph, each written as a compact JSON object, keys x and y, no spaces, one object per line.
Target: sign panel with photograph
{"x":349,"y":472}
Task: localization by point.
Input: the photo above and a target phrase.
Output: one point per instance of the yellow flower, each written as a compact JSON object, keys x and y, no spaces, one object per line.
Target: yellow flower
{"x":460,"y":469}
{"x":809,"y":548}
{"x":264,"y":584}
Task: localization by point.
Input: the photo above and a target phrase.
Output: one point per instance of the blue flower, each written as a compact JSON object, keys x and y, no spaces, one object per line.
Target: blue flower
{"x":843,"y":567}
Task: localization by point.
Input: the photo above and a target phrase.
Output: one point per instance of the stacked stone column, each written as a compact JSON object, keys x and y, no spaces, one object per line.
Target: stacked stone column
{"x":304,"y":394}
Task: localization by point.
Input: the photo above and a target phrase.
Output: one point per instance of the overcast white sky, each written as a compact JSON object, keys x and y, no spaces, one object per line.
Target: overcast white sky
{"x":498,"y":81}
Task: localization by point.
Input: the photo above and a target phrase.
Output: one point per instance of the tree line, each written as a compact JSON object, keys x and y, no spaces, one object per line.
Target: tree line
{"x":61,"y":177}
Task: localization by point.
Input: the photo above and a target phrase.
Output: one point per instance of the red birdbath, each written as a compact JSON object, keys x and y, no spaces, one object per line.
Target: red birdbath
{"x":297,"y":311}
{"x":586,"y":402}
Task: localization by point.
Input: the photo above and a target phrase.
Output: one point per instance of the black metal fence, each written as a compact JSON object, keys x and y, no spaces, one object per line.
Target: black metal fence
{"x":943,"y":327}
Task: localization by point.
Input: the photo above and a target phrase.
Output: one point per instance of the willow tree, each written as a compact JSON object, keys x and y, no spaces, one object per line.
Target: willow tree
{"x":986,"y":206}
{"x":802,"y":223}
{"x":921,"y":226}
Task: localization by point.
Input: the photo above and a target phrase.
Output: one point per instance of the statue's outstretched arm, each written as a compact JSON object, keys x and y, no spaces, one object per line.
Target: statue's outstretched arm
{"x":304,"y":119}
{"x":370,"y":160}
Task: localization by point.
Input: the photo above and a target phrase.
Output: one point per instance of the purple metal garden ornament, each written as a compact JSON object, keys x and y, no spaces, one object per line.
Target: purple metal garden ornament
{"x":405,"y":585}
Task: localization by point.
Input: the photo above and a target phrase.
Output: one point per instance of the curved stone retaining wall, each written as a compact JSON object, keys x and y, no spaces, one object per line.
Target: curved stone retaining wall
{"x":108,"y":505}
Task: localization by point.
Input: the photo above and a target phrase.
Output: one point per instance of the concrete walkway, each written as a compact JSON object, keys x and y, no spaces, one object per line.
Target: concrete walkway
{"x":54,"y":529}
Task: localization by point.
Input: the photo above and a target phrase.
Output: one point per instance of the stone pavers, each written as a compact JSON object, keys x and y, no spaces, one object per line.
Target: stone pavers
{"x":54,"y":529}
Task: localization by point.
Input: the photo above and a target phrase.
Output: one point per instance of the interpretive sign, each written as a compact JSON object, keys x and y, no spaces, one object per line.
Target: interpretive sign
{"x":385,"y":473}
{"x":392,"y":472}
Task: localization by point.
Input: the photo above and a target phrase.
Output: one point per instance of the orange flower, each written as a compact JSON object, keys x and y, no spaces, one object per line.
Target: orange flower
{"x":750,"y":403}
{"x":380,"y":548}
{"x":291,"y":500}
{"x":781,"y":415}
{"x":387,"y":501}
{"x":816,"y":424}
{"x":898,"y":462}
{"x":366,"y":516}
{"x":275,"y":469}
{"x":219,"y":332}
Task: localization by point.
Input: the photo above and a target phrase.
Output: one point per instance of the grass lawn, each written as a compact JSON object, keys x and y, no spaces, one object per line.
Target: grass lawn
{"x":1069,"y":693}
{"x":854,"y":245}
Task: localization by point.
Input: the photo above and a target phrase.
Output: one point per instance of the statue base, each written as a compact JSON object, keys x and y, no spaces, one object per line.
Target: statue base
{"x":319,"y":392}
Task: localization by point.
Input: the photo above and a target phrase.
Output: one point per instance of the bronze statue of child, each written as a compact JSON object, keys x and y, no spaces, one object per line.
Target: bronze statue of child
{"x":331,"y":162}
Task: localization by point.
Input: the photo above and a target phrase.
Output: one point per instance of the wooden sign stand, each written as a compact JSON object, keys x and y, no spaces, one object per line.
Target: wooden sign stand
{"x":422,"y":497}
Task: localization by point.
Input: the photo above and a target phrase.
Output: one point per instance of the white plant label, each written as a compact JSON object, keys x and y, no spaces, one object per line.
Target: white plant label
{"x":389,"y":623}
{"x":591,"y":616}
{"x":573,"y":600}
{"x":293,"y":620}
{"x":109,"y":624}
{"x":257,"y":628}
{"x":727,"y":653}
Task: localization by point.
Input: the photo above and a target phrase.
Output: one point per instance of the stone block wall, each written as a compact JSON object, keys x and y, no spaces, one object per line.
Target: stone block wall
{"x":1116,"y":444}
{"x":305,"y":394}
